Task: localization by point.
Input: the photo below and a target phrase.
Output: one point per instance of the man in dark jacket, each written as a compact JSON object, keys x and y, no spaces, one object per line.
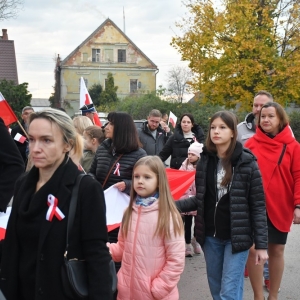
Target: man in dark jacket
{"x":152,"y":135}
{"x":11,"y":166}
{"x":23,"y":147}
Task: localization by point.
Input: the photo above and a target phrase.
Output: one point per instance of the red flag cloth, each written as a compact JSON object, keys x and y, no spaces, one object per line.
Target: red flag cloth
{"x":86,"y":99}
{"x":179,"y":181}
{"x":6,"y":113}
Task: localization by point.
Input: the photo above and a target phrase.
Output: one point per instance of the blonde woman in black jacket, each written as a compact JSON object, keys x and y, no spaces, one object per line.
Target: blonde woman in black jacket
{"x":35,"y":241}
{"x":230,"y":208}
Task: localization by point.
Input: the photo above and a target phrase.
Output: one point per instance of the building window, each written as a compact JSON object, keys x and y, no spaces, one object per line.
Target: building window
{"x":84,"y":57}
{"x":105,"y":83}
{"x":121,"y":55}
{"x":95,"y":55}
{"x":133,"y":85}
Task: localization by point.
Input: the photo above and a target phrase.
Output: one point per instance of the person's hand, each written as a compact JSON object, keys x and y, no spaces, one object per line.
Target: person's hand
{"x":164,"y":126}
{"x":121,"y":186}
{"x":296,"y":219}
{"x":261,"y":256}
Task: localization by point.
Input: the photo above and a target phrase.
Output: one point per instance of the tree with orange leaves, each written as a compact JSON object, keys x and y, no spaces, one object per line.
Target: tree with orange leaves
{"x":237,"y":47}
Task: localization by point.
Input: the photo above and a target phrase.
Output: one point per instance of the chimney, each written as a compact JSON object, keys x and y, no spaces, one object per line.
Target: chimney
{"x":4,"y":34}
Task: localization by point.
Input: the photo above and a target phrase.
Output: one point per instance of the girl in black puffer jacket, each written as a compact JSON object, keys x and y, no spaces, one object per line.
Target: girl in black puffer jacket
{"x":186,"y":133}
{"x":230,"y":208}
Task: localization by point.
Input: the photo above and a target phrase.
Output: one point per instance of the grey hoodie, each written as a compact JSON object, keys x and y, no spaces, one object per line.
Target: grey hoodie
{"x":246,"y":129}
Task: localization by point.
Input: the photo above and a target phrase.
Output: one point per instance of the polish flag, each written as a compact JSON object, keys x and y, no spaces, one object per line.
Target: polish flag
{"x":86,"y":99}
{"x":20,"y":138}
{"x":6,"y":113}
{"x":116,"y":201}
{"x":172,"y":119}
{"x":3,"y":222}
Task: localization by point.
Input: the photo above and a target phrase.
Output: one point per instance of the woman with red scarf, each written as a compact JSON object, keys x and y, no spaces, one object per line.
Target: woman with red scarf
{"x":278,"y":156}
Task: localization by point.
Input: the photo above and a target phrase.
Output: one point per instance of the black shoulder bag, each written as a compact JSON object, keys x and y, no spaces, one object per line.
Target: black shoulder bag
{"x":73,"y":271}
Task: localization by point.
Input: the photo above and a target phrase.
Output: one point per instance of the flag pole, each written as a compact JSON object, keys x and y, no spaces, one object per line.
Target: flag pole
{"x":23,"y":129}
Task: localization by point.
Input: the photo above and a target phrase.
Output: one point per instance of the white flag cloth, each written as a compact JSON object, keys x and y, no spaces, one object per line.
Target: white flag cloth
{"x":116,"y":203}
{"x":172,"y":119}
{"x":85,"y":97}
{"x":3,"y":222}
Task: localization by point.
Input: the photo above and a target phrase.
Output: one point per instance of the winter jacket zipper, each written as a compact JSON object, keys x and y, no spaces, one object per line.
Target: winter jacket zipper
{"x":133,"y":252}
{"x":282,"y":153}
{"x":217,"y":201}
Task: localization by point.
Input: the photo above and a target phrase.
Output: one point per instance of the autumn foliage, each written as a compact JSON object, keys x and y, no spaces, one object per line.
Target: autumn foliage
{"x":236,"y":48}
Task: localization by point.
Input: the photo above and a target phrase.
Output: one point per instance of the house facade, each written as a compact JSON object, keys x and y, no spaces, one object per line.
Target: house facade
{"x":106,"y":50}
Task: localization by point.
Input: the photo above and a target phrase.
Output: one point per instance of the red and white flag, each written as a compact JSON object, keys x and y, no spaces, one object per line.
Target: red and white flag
{"x":6,"y":113}
{"x":85,"y":99}
{"x":116,"y":201}
{"x":20,"y":138}
{"x":172,"y":119}
{"x":3,"y":222}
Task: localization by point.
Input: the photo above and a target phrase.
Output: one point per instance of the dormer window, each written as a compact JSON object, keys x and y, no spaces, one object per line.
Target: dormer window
{"x":121,"y":55}
{"x":95,"y":55}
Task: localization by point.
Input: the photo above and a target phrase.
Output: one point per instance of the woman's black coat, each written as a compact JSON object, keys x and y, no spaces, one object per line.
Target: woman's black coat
{"x":177,"y":146}
{"x":247,"y":202}
{"x":90,"y":225}
{"x":104,"y":159}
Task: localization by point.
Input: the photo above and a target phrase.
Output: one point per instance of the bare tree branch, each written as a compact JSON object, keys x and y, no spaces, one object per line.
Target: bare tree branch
{"x":10,"y":8}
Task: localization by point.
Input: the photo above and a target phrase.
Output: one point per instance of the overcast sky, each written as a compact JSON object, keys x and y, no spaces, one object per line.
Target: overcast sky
{"x":44,"y":29}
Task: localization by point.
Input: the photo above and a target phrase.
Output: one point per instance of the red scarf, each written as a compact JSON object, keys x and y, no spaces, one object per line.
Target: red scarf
{"x":279,"y":162}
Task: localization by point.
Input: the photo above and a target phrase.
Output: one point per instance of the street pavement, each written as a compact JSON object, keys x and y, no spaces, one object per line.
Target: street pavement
{"x":193,"y":282}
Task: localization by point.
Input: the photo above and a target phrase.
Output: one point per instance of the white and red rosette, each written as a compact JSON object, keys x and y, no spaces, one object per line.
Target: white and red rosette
{"x":53,"y":209}
{"x":117,"y":170}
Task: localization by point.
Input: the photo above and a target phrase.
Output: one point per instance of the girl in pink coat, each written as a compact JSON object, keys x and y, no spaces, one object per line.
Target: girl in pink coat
{"x":150,"y":242}
{"x":191,"y":245}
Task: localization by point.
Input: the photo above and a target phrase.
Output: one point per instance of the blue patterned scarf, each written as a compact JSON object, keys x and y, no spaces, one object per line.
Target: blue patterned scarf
{"x":146,"y":201}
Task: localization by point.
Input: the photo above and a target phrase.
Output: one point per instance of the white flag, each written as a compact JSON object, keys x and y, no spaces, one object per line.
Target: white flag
{"x":172,"y":119}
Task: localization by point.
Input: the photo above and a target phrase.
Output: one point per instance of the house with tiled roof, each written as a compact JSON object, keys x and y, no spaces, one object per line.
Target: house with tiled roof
{"x":8,"y":63}
{"x":107,"y":50}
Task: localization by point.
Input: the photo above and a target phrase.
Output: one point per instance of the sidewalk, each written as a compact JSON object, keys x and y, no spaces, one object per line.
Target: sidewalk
{"x":193,"y":283}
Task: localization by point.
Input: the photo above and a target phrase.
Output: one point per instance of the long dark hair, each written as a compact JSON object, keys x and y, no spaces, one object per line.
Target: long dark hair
{"x":230,"y":120}
{"x":190,"y":116}
{"x":125,"y":137}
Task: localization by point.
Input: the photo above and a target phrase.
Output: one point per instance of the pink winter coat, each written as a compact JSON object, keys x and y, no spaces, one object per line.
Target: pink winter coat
{"x":151,"y":266}
{"x":191,"y":191}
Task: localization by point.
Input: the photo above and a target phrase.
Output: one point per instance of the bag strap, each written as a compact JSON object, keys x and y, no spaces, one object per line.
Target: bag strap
{"x":72,"y":209}
{"x":108,"y":174}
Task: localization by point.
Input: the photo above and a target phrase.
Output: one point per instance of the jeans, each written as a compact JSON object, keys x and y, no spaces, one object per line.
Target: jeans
{"x":225,"y":271}
{"x":266,"y":270}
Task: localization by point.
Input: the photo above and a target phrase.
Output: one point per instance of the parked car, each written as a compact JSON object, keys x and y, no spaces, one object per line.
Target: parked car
{"x":138,"y":123}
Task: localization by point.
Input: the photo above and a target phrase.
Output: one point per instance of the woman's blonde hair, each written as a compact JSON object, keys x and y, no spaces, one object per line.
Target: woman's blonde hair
{"x":81,"y":123}
{"x":167,"y":211}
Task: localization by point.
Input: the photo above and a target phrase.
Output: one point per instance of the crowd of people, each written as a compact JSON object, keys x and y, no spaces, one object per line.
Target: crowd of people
{"x":237,"y":212}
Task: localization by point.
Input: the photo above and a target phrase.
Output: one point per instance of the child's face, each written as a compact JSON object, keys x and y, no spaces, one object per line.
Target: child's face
{"x":87,"y":141}
{"x":145,"y":181}
{"x":192,"y":157}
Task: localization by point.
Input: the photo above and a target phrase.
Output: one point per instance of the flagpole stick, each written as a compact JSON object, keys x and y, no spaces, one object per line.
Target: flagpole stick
{"x":23,"y":129}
